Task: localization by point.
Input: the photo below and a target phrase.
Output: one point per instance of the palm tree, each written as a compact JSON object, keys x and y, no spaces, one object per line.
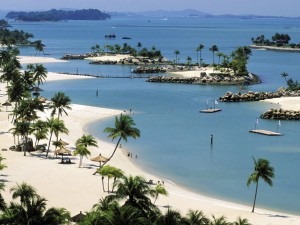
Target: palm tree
{"x":123,"y":129}
{"x":59,"y":102}
{"x":40,"y":73}
{"x":56,"y":126}
{"x":241,"y":221}
{"x":106,"y":171}
{"x":24,"y":191}
{"x":2,"y":185}
{"x":199,"y":50}
{"x":285,"y":75}
{"x":32,"y":209}
{"x":139,"y":45}
{"x":159,"y":190}
{"x":82,"y":151}
{"x":40,"y":130}
{"x":263,"y":170}
{"x":219,"y":54}
{"x":136,"y":192}
{"x":196,"y":217}
{"x":39,"y":46}
{"x":219,"y":221}
{"x":117,"y":174}
{"x":87,"y":140}
{"x":176,"y":52}
{"x":171,"y":217}
{"x":188,"y":61}
{"x":213,"y":49}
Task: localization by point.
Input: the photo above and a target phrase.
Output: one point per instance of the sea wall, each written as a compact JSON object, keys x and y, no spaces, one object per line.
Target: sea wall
{"x":280,"y":114}
{"x":256,"y":96}
{"x":275,"y":48}
{"x":217,"y":79}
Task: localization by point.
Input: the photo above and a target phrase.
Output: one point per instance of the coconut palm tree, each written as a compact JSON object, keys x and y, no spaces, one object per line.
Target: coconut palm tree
{"x":32,"y":209}
{"x":285,"y":75}
{"x":139,"y":45}
{"x":82,"y":151}
{"x":219,"y":221}
{"x":199,"y":50}
{"x":59,"y":103}
{"x":2,"y":185}
{"x":122,"y":130}
{"x":39,"y":71}
{"x":196,"y":217}
{"x":23,"y":191}
{"x":117,"y":174}
{"x":39,"y":130}
{"x":39,"y":47}
{"x":22,"y":128}
{"x":105,"y":171}
{"x":87,"y":140}
{"x":171,"y":217}
{"x":262,"y":170}
{"x":241,"y":221}
{"x":188,"y":61}
{"x":176,"y":52}
{"x":137,"y":193}
{"x":159,"y":190}
{"x":56,"y":126}
{"x":213,"y":49}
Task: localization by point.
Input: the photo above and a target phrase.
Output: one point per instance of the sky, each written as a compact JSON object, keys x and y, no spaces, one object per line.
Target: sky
{"x":217,"y":7}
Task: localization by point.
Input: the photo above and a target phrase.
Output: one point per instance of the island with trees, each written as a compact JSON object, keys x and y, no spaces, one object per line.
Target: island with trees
{"x":59,"y":15}
{"x":278,"y":42}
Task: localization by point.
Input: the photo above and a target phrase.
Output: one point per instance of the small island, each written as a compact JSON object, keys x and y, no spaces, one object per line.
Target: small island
{"x":59,"y":15}
{"x":278,"y":42}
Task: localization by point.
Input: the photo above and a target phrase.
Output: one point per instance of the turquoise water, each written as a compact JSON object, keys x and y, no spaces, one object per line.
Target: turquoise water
{"x":175,"y":139}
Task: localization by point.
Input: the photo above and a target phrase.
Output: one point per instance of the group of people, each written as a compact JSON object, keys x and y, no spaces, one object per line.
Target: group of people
{"x":130,"y":155}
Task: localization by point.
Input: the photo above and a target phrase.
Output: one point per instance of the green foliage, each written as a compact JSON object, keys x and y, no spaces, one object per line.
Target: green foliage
{"x":14,"y":37}
{"x":56,"y":15}
{"x":262,"y":170}
{"x":277,"y":39}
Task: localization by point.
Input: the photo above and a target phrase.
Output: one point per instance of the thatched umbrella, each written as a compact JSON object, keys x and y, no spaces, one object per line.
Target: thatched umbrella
{"x":99,"y":159}
{"x":78,"y":218}
{"x":63,"y":142}
{"x":7,"y":104}
{"x":61,"y":151}
{"x":42,"y":99}
{"x":36,"y":89}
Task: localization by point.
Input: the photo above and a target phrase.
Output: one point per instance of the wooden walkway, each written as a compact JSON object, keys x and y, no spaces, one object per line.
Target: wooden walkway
{"x":210,"y":110}
{"x":265,"y":132}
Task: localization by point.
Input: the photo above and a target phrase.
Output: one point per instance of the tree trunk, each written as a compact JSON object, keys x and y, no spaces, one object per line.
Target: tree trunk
{"x":49,"y":144}
{"x":113,"y":152}
{"x":80,"y":161}
{"x":107,"y":184}
{"x":103,"y":183}
{"x":255,"y":196}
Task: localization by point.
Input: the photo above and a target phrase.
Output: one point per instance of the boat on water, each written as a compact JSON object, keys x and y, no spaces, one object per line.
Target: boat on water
{"x":127,"y":38}
{"x":110,"y":36}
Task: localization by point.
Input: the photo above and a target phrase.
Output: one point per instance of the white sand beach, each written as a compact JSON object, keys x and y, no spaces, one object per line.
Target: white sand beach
{"x":116,"y":57}
{"x":286,"y":103}
{"x":76,"y":189}
{"x":33,"y":59}
{"x":194,"y":73}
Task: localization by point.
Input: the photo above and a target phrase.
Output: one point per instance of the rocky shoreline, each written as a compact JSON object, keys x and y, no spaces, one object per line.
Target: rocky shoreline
{"x":251,"y":96}
{"x":280,"y":114}
{"x":212,"y":79}
{"x":275,"y":48}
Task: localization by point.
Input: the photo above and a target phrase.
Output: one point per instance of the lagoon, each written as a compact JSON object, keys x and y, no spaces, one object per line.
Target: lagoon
{"x":175,"y":140}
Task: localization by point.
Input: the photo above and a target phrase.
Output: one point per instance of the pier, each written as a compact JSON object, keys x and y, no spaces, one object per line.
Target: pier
{"x":265,"y":132}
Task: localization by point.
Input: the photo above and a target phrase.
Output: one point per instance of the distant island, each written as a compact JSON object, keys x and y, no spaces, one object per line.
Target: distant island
{"x":59,"y":15}
{"x":278,"y":42}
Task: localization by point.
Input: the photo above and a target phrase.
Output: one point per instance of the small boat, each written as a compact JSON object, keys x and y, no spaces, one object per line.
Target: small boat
{"x":110,"y":36}
{"x":128,"y":38}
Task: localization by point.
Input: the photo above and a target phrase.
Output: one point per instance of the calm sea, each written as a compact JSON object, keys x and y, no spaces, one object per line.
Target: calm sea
{"x":175,"y":140}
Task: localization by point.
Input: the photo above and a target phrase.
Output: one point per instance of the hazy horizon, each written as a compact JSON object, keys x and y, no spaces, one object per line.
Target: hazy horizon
{"x":216,"y":7}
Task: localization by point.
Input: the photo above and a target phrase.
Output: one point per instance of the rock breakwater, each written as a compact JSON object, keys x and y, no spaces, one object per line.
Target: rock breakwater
{"x":251,"y":96}
{"x":280,"y":114}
